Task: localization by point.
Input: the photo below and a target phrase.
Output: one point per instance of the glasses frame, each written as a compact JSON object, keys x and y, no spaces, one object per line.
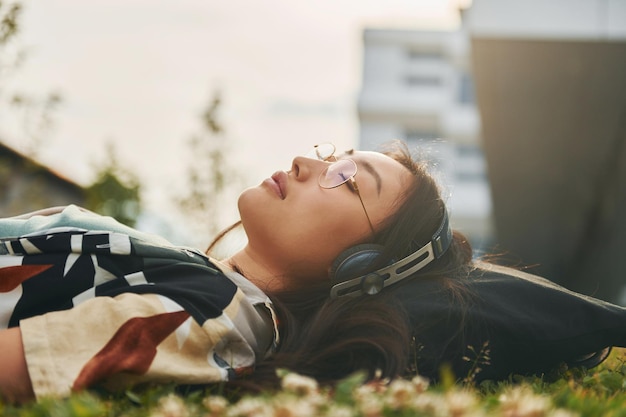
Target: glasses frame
{"x":332,"y":159}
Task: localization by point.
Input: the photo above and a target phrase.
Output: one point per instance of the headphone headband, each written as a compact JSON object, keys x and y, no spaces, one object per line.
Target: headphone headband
{"x":374,"y":282}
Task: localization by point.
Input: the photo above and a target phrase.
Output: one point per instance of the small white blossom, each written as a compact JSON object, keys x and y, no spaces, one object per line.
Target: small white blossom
{"x":430,"y":404}
{"x":400,"y":393}
{"x":250,"y":407}
{"x":171,"y":406}
{"x":339,"y":411}
{"x":299,"y":384}
{"x":215,"y":404}
{"x":363,"y":391}
{"x":294,"y":407}
{"x":563,"y":413}
{"x":460,"y":402}
{"x":522,"y":402}
{"x":420,"y":383}
{"x":371,"y":406}
{"x":367,"y":399}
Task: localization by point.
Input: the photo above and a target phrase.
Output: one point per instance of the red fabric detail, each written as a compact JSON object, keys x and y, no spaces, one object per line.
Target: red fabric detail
{"x":12,"y":276}
{"x":131,"y":349}
{"x":244,"y":371}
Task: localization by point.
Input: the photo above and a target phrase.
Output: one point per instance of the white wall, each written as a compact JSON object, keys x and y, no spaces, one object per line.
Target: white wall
{"x":548,"y":19}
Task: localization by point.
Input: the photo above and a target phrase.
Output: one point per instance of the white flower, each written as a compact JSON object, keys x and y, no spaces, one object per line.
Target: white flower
{"x":299,"y":384}
{"x":250,"y":407}
{"x":171,"y":406}
{"x":460,"y":402}
{"x":363,"y":391}
{"x":215,"y":404}
{"x":371,"y":406}
{"x":400,"y":393}
{"x":293,"y":407}
{"x":430,"y":404}
{"x":420,"y":383}
{"x":522,"y":402}
{"x":339,"y":411}
{"x":367,"y":400}
{"x":563,"y":413}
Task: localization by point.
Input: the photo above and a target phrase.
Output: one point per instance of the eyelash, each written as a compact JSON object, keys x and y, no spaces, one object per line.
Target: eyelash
{"x":350,"y":186}
{"x":348,"y":183}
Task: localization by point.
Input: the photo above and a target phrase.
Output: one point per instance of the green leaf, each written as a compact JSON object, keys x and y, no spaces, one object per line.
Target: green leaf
{"x":345,"y":387}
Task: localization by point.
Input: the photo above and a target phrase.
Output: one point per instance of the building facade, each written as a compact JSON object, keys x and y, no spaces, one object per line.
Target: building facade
{"x":26,"y":185}
{"x":418,"y":87}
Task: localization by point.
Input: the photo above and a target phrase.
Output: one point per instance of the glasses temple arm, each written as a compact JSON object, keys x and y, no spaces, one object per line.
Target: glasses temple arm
{"x":358,"y":193}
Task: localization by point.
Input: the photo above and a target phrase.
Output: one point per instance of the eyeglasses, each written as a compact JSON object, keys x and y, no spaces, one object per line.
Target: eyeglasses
{"x":338,"y":172}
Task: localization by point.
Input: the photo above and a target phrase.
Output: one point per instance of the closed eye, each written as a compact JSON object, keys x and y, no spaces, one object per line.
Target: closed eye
{"x":350,"y":185}
{"x":348,"y":181}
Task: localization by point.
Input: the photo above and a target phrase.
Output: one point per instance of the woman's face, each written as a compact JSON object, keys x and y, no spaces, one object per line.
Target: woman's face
{"x":298,"y":228}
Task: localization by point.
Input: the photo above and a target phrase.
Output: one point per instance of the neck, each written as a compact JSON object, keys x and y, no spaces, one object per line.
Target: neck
{"x":256,"y":270}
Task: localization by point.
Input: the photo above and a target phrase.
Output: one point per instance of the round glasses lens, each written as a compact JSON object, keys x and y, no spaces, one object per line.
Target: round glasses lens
{"x":322,"y":152}
{"x":337,"y":173}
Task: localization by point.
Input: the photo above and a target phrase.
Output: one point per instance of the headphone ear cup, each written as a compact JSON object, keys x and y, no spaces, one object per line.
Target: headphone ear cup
{"x":356,"y":261}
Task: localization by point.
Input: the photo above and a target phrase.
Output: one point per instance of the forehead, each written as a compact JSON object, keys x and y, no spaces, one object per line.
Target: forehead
{"x":389,"y":175}
{"x":376,"y":160}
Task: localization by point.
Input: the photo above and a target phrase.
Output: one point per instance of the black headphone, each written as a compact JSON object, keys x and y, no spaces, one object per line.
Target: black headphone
{"x":351,"y":275}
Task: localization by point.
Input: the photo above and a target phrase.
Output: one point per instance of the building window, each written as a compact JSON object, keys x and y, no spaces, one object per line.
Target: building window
{"x":420,"y":136}
{"x":422,"y":81}
{"x":466,"y":89}
{"x":424,"y":55}
{"x":470,"y":164}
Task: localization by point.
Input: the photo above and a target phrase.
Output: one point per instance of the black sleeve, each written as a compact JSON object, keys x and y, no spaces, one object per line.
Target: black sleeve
{"x":524,"y":324}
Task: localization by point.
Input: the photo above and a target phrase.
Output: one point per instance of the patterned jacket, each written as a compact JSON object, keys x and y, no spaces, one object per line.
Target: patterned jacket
{"x":106,"y":308}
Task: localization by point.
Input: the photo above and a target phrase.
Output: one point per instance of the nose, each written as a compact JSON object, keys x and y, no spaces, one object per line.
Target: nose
{"x":304,"y":168}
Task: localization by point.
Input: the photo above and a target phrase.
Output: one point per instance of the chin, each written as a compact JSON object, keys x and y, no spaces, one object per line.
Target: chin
{"x":248,"y":199}
{"x":252,"y":205}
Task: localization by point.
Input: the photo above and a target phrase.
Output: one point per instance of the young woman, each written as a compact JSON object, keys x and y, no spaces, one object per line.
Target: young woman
{"x":350,"y":264}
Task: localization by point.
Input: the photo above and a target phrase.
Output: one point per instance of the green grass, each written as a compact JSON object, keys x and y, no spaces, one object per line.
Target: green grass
{"x":596,"y":392}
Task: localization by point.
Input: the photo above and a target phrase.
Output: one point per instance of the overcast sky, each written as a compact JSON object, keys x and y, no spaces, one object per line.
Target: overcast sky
{"x":139,"y":72}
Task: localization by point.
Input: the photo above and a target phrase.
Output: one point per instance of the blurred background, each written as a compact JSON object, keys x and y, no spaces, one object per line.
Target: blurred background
{"x":159,"y":112}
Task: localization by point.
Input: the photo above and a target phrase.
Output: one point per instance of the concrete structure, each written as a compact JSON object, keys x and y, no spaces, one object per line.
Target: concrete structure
{"x":550,"y":80}
{"x":26,"y":185}
{"x":417,"y":86}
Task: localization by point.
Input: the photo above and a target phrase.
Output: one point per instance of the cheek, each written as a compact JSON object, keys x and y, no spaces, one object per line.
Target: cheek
{"x":256,"y":210}
{"x":309,"y":231}
{"x":272,"y":226}
{"x":328,"y":233}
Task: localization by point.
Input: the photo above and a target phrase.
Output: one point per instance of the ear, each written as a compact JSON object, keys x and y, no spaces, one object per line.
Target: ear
{"x":355,"y":261}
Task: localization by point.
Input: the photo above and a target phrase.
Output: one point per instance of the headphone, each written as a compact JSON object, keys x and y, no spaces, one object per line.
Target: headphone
{"x":351,"y":275}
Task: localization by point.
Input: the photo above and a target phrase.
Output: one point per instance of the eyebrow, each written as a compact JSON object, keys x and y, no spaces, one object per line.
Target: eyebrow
{"x":370,"y":168}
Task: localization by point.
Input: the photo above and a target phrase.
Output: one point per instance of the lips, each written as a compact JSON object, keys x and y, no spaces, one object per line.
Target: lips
{"x":278,"y":181}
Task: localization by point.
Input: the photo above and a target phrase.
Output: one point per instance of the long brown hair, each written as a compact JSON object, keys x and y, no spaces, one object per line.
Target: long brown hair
{"x":329,"y":339}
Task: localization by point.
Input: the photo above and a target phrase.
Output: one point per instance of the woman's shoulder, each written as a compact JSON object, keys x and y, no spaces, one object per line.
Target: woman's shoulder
{"x":260,"y":315}
{"x":70,"y":216}
{"x":251,"y":291}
